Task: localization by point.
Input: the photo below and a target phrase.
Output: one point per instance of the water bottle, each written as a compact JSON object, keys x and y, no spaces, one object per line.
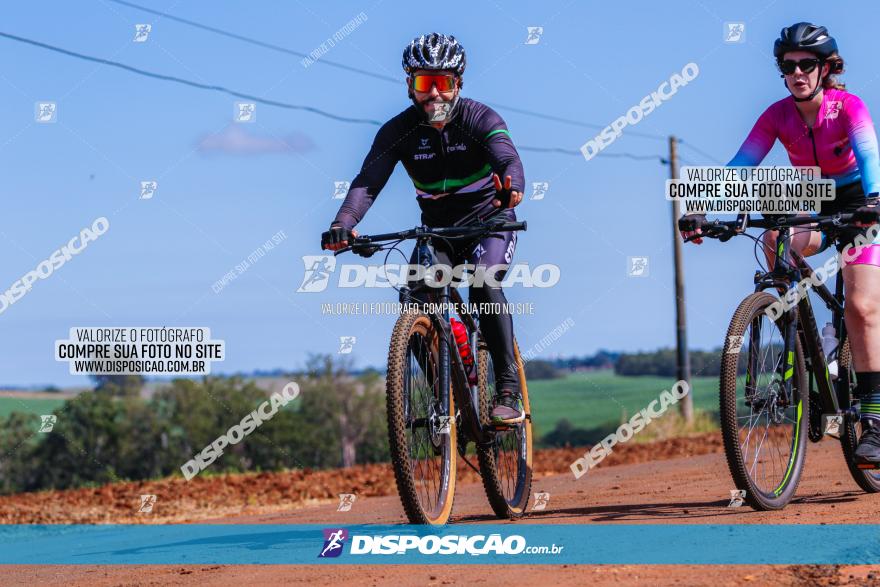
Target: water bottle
{"x":464,"y":349}
{"x":829,"y":346}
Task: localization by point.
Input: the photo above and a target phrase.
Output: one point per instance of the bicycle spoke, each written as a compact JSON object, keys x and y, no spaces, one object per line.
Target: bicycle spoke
{"x":765,"y":427}
{"x":420,"y":383}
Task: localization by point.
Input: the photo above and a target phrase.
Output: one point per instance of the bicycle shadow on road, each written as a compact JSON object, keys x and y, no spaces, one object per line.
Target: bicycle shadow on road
{"x":632,"y":512}
{"x":669,"y":511}
{"x":828,"y":498}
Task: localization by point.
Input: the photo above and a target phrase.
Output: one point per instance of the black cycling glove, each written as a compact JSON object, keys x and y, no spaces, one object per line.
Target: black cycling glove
{"x":335,"y":236}
{"x":869,"y":213}
{"x":692,"y":222}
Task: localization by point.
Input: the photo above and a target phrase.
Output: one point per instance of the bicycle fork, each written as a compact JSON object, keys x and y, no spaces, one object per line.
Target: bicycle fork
{"x":781,"y":389}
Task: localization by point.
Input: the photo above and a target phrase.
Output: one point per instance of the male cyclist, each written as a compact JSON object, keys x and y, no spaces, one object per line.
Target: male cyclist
{"x":455,"y":150}
{"x":822,"y":125}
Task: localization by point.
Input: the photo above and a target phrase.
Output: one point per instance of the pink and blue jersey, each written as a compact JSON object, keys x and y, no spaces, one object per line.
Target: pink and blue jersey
{"x":842,"y":142}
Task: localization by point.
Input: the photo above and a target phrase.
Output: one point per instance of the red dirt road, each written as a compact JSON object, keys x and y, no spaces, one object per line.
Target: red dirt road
{"x":689,"y":490}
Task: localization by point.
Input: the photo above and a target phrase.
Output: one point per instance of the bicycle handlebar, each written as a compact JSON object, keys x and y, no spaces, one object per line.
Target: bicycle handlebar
{"x":725,"y":230}
{"x":366,"y":245}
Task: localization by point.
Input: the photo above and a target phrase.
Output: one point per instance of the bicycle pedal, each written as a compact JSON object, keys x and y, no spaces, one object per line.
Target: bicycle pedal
{"x":503,"y":427}
{"x":498,"y":427}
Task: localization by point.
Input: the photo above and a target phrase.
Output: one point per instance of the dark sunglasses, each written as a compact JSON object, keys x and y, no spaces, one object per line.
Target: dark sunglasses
{"x":423,"y":83}
{"x":788,"y":66}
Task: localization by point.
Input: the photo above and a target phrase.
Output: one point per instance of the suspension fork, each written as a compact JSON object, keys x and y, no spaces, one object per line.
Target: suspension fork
{"x":789,"y":347}
{"x":445,"y":334}
{"x":784,"y":267}
{"x":425,"y":258}
{"x":752,"y":369}
{"x":452,"y":377}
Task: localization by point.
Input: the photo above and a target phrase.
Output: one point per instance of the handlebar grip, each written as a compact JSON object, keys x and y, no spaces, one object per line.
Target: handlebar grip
{"x":511,"y":226}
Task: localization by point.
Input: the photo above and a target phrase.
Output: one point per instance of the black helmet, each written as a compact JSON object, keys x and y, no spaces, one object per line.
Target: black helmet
{"x":804,"y":36}
{"x":434,"y":51}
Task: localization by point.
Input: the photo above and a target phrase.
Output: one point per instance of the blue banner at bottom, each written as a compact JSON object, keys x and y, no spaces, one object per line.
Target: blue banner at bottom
{"x":269,"y":544}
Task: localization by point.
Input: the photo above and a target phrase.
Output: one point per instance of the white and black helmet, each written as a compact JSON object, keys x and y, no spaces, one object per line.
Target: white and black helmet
{"x":434,"y":51}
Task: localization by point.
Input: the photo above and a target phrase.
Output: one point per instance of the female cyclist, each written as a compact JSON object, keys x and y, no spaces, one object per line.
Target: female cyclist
{"x":822,"y":125}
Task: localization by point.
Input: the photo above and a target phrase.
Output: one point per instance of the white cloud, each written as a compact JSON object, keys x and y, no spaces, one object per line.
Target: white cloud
{"x":236,"y":140}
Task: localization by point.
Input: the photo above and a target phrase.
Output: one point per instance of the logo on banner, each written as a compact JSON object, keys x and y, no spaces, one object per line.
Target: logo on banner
{"x":334,"y":539}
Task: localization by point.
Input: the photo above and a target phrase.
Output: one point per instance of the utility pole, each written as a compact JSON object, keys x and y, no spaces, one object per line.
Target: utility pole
{"x":683,"y":359}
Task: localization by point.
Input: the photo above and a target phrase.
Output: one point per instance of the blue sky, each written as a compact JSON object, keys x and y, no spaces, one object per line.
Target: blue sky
{"x":160,"y":257}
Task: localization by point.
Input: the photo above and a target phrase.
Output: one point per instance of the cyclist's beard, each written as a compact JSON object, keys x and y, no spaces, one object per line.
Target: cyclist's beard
{"x":436,"y":109}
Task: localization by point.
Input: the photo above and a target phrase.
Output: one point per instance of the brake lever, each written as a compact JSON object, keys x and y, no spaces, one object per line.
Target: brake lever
{"x":366,"y":251}
{"x":720,"y":231}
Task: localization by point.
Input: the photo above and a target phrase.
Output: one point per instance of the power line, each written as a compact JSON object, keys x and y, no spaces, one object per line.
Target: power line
{"x":579,"y":154}
{"x":548,"y":150}
{"x":700,"y":151}
{"x":632,"y":156}
{"x":286,"y":105}
{"x":178,"y":80}
{"x":574,"y":122}
{"x":374,"y":75}
{"x":387,"y":78}
{"x":270,"y":102}
{"x":256,"y":42}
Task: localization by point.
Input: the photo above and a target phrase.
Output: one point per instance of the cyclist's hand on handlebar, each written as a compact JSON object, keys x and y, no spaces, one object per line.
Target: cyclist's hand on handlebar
{"x":867,"y":215}
{"x":337,"y":237}
{"x":504,"y":196}
{"x":691,"y":226}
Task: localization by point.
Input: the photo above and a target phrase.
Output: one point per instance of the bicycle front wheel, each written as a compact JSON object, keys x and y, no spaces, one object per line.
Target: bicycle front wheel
{"x":421,"y":422}
{"x":764,"y":427}
{"x":505,"y":462}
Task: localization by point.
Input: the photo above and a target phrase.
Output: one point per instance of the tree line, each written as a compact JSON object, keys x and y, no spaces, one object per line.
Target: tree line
{"x":113,"y":434}
{"x":662,"y":363}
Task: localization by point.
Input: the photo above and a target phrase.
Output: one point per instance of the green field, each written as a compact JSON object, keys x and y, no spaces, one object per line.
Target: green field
{"x":598,"y":400}
{"x":28,"y":406}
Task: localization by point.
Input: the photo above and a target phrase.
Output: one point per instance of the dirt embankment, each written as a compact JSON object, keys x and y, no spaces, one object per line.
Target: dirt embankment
{"x":209,"y":496}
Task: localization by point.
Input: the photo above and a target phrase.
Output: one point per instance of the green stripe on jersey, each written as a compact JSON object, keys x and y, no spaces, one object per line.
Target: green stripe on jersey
{"x":498,"y":130}
{"x":451,"y":184}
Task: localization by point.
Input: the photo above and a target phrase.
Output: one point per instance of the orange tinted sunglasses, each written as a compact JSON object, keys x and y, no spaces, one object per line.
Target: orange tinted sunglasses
{"x":423,"y":83}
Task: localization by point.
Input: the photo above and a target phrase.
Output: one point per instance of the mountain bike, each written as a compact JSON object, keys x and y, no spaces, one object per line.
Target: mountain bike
{"x":776,"y":390}
{"x":434,"y":413}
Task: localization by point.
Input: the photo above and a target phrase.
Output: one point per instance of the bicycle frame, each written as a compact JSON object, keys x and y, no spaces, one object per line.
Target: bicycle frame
{"x":452,"y":368}
{"x":831,"y":403}
{"x":784,"y":277}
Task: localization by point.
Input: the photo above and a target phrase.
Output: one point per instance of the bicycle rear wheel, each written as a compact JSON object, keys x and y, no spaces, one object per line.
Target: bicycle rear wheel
{"x":764,"y":431}
{"x":506,"y":462}
{"x":867,"y":479}
{"x":421,"y":422}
